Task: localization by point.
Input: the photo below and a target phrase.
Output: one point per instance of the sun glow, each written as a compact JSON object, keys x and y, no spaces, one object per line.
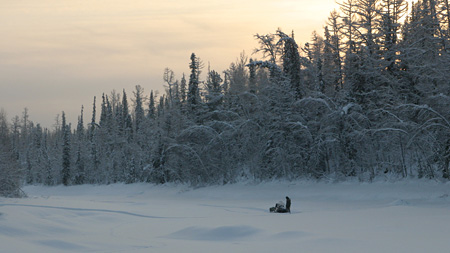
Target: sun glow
{"x":85,"y":48}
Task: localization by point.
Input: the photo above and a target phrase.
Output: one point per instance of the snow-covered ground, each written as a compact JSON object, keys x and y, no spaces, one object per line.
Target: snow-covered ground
{"x":345,"y":217}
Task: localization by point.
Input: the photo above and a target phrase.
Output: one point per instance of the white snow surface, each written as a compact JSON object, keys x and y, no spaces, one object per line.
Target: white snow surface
{"x":410,"y":216}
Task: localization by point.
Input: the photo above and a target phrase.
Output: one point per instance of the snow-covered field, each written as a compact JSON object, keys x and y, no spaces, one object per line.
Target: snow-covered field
{"x":345,"y":217}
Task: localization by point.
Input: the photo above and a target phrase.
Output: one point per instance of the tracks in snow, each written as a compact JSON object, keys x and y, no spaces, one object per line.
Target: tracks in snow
{"x":93,"y":210}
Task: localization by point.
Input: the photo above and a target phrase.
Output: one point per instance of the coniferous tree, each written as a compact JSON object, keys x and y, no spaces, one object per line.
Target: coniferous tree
{"x":291,"y":63}
{"x":238,"y":75}
{"x":65,"y":131}
{"x":104,"y":111}
{"x":126,"y":122}
{"x":252,"y":77}
{"x":94,"y":155}
{"x":139,"y":114}
{"x":80,"y":160}
{"x":10,"y":175}
{"x":183,"y":89}
{"x":193,"y":94}
{"x":151,"y":107}
{"x":213,"y":88}
{"x":314,"y":63}
{"x":169,"y":80}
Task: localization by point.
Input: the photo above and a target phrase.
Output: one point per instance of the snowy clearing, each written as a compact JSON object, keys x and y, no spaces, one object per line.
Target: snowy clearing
{"x":346,"y":217}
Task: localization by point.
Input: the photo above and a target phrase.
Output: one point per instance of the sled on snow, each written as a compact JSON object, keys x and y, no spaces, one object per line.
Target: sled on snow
{"x":281,"y":208}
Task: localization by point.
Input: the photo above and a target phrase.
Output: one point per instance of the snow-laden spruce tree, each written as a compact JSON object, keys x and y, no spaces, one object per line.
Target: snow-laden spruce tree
{"x":193,"y":94}
{"x":291,"y":62}
{"x":10,"y":174}
{"x":66,"y":155}
{"x":80,"y":140}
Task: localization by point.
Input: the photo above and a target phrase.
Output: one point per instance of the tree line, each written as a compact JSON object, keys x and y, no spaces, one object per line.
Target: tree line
{"x":368,"y":98}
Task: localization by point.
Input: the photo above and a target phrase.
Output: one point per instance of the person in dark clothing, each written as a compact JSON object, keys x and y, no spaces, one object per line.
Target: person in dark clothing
{"x":280,"y":208}
{"x":288,"y":204}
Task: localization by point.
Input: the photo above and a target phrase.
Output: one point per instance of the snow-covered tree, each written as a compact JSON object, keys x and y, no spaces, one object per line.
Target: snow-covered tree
{"x":193,"y":95}
{"x":139,"y":114}
{"x":10,"y":174}
{"x":66,"y":155}
{"x":291,"y":62}
{"x":213,"y":89}
{"x":332,"y":55}
{"x":80,"y":173}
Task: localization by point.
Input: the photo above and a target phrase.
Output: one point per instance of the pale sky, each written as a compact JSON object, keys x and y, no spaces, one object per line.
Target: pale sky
{"x":56,"y":55}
